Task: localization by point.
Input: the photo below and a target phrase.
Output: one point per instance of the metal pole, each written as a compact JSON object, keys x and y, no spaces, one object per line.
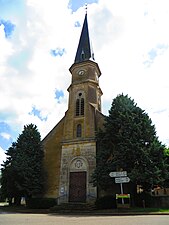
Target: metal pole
{"x":121,"y":188}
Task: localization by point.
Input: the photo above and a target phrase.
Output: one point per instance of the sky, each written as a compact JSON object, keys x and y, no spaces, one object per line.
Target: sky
{"x":38,"y":43}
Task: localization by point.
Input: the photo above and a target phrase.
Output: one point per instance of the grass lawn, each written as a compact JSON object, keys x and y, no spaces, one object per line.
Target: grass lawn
{"x":150,"y":210}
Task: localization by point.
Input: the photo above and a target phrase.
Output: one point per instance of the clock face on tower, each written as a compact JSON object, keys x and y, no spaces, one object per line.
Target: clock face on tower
{"x":81,"y":72}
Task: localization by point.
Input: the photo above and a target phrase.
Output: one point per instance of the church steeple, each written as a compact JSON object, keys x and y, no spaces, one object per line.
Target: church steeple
{"x":84,"y":50}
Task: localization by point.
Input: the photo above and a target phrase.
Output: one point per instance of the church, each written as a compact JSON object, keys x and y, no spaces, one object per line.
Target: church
{"x":70,"y":147}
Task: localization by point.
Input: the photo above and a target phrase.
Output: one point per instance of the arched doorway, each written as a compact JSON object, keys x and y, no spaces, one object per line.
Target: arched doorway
{"x":78,"y":181}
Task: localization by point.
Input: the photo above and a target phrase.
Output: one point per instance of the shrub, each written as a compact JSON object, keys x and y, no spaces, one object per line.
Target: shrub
{"x":41,"y":203}
{"x":143,"y":200}
{"x":106,"y":202}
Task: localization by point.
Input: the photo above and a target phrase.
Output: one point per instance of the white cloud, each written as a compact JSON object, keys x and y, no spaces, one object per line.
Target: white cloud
{"x":123,"y":34}
{"x":5,"y":135}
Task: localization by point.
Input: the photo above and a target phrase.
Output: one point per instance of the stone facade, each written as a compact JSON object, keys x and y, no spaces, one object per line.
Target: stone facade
{"x":70,"y":148}
{"x":52,"y":148}
{"x":77,"y":157}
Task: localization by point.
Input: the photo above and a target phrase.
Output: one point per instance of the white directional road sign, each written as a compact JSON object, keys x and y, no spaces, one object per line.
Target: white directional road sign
{"x":119,"y":180}
{"x":118,"y":174}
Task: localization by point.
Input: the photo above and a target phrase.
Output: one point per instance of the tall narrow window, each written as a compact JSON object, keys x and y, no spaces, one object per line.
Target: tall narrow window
{"x":80,"y":105}
{"x":77,"y":107}
{"x":79,"y":130}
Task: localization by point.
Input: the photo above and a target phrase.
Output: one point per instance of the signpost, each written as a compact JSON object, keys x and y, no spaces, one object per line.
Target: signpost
{"x":120,"y":178}
{"x":118,"y":174}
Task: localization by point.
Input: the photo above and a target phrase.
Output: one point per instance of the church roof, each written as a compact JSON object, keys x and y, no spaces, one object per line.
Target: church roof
{"x":84,"y":50}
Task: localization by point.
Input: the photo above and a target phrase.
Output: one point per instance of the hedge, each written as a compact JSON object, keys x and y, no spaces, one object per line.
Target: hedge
{"x":41,"y":203}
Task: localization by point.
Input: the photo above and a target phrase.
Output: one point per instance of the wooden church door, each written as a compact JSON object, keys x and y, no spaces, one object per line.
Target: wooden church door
{"x":77,"y":187}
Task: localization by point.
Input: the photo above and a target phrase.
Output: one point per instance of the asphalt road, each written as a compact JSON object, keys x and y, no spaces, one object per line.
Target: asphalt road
{"x":51,"y":219}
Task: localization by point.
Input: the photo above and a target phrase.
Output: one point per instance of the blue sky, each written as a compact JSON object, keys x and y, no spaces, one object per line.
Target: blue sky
{"x":38,"y":42}
{"x":75,"y":5}
{"x":8,"y":27}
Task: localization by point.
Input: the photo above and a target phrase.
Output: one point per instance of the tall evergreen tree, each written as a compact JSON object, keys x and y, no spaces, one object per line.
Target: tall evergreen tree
{"x":9,"y":176}
{"x":129,"y":142}
{"x":24,"y":166}
{"x":166,"y":152}
{"x":29,"y":161}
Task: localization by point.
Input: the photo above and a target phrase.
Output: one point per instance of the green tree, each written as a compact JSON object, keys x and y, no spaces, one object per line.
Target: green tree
{"x":166,"y":152}
{"x":129,"y":142}
{"x":23,"y":170}
{"x":29,"y":161}
{"x":9,"y":176}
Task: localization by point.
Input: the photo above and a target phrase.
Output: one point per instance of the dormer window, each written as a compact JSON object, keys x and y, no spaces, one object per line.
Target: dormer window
{"x":80,"y":104}
{"x":83,"y":55}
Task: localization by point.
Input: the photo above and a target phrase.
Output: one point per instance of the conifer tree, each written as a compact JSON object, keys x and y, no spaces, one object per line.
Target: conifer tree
{"x":23,"y":170}
{"x":9,"y":176}
{"x":166,"y":152}
{"x":129,"y":142}
{"x":29,"y":161}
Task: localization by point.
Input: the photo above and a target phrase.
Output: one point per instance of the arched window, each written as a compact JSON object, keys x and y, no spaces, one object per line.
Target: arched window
{"x":77,"y":107}
{"x":79,"y":130}
{"x":80,"y":104}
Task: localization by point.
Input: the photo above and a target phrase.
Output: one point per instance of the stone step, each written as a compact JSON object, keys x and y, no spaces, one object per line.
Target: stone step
{"x":70,"y":207}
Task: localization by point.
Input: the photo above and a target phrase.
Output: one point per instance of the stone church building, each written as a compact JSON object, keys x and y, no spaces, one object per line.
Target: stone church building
{"x":70,"y":147}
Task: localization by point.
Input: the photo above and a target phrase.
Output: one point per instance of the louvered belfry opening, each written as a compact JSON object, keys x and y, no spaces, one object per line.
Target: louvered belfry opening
{"x":80,"y":105}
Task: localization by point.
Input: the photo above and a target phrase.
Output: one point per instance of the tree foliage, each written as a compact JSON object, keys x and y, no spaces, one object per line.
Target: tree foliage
{"x":22,"y":172}
{"x":166,"y":153}
{"x":8,"y":178}
{"x":129,"y":142}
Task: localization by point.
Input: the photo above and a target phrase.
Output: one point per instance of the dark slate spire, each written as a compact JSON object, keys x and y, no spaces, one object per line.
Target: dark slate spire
{"x":84,"y":50}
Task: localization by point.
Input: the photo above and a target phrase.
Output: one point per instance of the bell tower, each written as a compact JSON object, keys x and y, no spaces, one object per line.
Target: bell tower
{"x":81,"y":122}
{"x":84,"y":91}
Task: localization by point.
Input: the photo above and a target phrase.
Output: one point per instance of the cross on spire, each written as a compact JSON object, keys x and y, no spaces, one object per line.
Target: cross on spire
{"x":86,"y":8}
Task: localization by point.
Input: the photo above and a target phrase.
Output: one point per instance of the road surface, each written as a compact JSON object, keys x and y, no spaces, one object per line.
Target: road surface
{"x":52,"y":219}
